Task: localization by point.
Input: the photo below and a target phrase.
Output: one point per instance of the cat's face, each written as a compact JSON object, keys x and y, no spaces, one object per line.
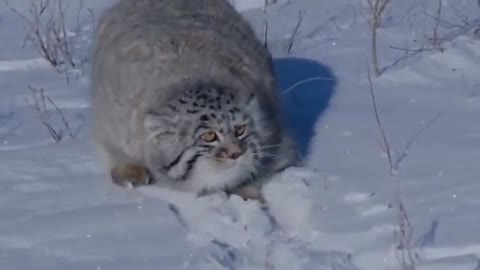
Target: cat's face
{"x":211,"y":138}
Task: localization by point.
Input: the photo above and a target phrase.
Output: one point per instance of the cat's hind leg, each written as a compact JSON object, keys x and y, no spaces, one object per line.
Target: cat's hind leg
{"x":248,"y":192}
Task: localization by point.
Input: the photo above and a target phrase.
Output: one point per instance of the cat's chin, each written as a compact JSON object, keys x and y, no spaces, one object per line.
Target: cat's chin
{"x":212,"y":176}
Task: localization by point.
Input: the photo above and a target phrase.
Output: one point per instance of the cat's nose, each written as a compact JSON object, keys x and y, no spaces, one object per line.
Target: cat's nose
{"x":235,"y":152}
{"x":235,"y":155}
{"x":231,"y":152}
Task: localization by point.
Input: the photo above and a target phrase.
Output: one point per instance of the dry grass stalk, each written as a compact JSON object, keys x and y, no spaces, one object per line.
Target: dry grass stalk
{"x":385,"y":143}
{"x":403,"y":234}
{"x":47,"y":31}
{"x":41,"y":102}
{"x":376,"y":9}
{"x":291,"y":40}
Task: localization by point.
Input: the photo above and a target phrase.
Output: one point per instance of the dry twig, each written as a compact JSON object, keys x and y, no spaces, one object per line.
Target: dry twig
{"x":291,"y":40}
{"x":40,"y":104}
{"x":435,"y":38}
{"x":318,"y":78}
{"x":403,"y":234}
{"x":376,"y":8}
{"x":47,"y":30}
{"x":386,"y":144}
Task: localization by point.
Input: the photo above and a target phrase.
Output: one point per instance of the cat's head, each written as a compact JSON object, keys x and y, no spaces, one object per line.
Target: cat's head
{"x":211,"y":136}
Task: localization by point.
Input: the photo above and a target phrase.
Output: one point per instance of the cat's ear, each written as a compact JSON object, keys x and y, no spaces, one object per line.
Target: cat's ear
{"x":159,"y":123}
{"x":252,"y":104}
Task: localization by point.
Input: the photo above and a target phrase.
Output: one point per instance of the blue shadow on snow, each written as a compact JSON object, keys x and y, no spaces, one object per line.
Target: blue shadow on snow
{"x":306,"y":87}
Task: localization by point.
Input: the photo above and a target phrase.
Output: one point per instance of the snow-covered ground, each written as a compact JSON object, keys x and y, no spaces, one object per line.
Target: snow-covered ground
{"x":343,"y":210}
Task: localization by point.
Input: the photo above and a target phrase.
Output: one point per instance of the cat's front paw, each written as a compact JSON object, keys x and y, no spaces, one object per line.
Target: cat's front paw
{"x":248,"y":192}
{"x":131,"y":175}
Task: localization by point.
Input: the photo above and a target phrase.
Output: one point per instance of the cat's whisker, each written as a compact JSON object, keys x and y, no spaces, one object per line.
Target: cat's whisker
{"x":263,"y":154}
{"x":218,"y":159}
{"x":258,"y":167}
{"x":269,"y":146}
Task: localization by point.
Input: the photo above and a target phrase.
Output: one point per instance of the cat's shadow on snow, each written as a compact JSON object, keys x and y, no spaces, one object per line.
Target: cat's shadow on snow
{"x":306,"y":87}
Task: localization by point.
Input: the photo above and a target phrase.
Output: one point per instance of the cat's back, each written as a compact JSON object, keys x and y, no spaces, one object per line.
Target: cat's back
{"x":160,"y":42}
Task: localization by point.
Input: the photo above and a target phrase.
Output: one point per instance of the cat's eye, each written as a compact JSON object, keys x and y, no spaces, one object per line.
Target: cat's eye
{"x":240,"y":130}
{"x":209,"y":136}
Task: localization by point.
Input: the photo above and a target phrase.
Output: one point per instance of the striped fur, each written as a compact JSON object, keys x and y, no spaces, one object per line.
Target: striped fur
{"x":209,"y":107}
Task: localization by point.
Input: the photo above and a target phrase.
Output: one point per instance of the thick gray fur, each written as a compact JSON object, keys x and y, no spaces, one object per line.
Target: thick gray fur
{"x":148,"y":53}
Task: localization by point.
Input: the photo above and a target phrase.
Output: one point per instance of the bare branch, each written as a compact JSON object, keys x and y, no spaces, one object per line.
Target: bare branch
{"x":386,"y":144}
{"x":40,"y":101}
{"x":295,"y":32}
{"x":435,"y":38}
{"x":414,"y":138}
{"x":333,"y":20}
{"x":319,"y":78}
{"x":416,"y":50}
{"x":476,"y":33}
{"x":39,"y":107}
{"x":376,"y":8}
{"x":47,"y":30}
{"x":60,"y":113}
{"x":403,"y":234}
{"x":435,"y":27}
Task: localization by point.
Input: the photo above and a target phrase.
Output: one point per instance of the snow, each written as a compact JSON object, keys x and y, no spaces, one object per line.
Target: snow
{"x":340,"y":211}
{"x":243,"y":5}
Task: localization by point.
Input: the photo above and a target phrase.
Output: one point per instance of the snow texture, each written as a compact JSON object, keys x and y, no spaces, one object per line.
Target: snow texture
{"x":342,"y":210}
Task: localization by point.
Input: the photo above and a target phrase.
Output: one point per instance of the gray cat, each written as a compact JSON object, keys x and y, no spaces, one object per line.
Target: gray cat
{"x":184,"y":96}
